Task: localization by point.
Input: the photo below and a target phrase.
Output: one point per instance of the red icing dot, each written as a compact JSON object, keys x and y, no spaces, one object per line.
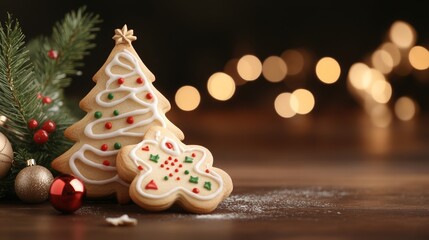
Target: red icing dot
{"x":140,"y":168}
{"x":169,"y":158}
{"x":139,"y":80}
{"x":180,"y":165}
{"x":121,"y":81}
{"x":166,"y":162}
{"x":196,"y":190}
{"x":108,"y":125}
{"x":151,"y":185}
{"x":145,"y":148}
{"x":104,"y":147}
{"x":106,"y":163}
{"x":193,"y":155}
{"x":207,"y":171}
{"x":162,"y":165}
{"x":167,"y":168}
{"x":176,"y":170}
{"x":178,"y":178}
{"x":169,"y":145}
{"x":172,"y":164}
{"x":175,"y":160}
{"x":149,"y":96}
{"x":130,"y":120}
{"x":170,"y":174}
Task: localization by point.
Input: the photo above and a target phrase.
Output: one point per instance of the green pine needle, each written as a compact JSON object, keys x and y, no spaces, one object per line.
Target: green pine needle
{"x":18,"y":90}
{"x":27,"y":72}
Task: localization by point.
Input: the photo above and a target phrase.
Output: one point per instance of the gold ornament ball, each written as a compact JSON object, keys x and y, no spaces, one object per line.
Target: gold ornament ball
{"x":6,"y":155}
{"x":33,"y":182}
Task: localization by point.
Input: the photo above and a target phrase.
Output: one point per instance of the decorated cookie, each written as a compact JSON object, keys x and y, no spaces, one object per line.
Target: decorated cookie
{"x":121,"y":107}
{"x":164,"y":171}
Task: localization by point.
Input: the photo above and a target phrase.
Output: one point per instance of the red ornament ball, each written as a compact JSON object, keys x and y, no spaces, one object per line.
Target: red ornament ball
{"x":46,"y":100}
{"x":52,"y":54}
{"x":66,"y":193}
{"x":32,"y":124}
{"x":40,"y":136}
{"x":49,"y":126}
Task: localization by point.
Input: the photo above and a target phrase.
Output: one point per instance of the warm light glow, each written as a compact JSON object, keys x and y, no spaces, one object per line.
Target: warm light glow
{"x":381,"y":115}
{"x":402,"y":34}
{"x":370,"y":77}
{"x":187,"y":98}
{"x":221,"y":86}
{"x":419,"y":58}
{"x":282,"y":105}
{"x":381,"y":91}
{"x":393,"y":51}
{"x":328,"y":70}
{"x":231,"y":69}
{"x":294,"y":61}
{"x":405,"y":108}
{"x":358,"y":76}
{"x":274,"y":69}
{"x":249,"y":67}
{"x":302,"y":101}
{"x":382,"y":61}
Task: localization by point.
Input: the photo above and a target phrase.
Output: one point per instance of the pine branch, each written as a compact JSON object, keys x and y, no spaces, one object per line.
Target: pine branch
{"x":26,"y":74}
{"x":18,"y":99}
{"x":71,"y":39}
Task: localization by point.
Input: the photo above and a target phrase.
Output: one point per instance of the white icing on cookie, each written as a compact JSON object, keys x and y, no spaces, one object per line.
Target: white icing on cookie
{"x":133,"y":95}
{"x":197,"y":168}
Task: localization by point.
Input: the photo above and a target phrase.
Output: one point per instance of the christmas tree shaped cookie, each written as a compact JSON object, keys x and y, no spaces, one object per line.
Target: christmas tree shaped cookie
{"x":121,"y":107}
{"x":164,"y":171}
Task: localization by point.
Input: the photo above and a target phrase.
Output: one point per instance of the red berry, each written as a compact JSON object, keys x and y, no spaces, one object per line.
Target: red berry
{"x":106,"y":163}
{"x":121,"y":81}
{"x":149,"y":96}
{"x":139,"y":80}
{"x":40,"y":136}
{"x":49,"y":126}
{"x":32,"y":124}
{"x":196,"y":190}
{"x":52,"y":54}
{"x":46,"y":100}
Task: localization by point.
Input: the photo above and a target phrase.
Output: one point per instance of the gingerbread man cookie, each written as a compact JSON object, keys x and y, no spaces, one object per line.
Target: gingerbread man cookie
{"x":164,"y":171}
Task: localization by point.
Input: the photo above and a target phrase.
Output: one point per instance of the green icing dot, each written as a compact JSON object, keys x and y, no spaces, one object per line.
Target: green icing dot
{"x":117,"y":146}
{"x":110,"y":96}
{"x":116,"y":112}
{"x":165,"y":178}
{"x":154,"y":158}
{"x":188,"y":159}
{"x":208,"y":185}
{"x":98,"y":114}
{"x":193,"y":179}
{"x":186,"y":172}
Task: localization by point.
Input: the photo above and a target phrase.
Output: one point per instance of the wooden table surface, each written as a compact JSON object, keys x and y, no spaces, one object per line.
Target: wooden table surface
{"x":312,"y":178}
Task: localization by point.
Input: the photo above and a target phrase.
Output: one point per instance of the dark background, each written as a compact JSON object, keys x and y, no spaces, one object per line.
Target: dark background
{"x":184,"y":42}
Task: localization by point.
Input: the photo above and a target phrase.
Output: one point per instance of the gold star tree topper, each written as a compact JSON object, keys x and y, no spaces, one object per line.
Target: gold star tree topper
{"x":124,"y":35}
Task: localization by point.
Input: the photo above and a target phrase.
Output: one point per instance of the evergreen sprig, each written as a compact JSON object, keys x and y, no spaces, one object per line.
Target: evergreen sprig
{"x":71,"y":39}
{"x":18,"y":89}
{"x":26,"y":73}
